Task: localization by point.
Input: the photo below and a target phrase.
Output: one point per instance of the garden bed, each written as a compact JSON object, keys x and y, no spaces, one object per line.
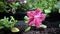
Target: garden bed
{"x":52,"y":23}
{"x":51,"y":29}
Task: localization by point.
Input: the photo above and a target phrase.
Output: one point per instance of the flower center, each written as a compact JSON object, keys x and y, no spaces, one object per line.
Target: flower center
{"x":36,"y":16}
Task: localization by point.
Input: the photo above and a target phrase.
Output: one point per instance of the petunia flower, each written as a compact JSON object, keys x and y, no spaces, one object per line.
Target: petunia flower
{"x":35,"y":18}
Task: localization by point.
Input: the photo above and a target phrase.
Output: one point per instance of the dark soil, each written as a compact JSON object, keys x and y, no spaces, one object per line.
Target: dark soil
{"x":51,"y":29}
{"x":45,"y":31}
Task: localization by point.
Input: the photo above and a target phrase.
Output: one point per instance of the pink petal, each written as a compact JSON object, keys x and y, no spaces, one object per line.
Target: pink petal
{"x":38,"y":23}
{"x":38,"y":11}
{"x":43,"y":16}
{"x":30,"y":14}
{"x":31,"y":22}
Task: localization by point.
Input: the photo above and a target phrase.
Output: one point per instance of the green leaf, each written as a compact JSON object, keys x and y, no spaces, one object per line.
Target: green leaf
{"x":11,"y":17}
{"x":47,"y":11}
{"x":27,"y":29}
{"x":25,"y":18}
{"x":14,"y":29}
{"x":43,"y":26}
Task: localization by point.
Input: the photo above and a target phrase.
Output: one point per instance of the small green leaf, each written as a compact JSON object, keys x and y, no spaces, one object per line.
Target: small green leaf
{"x":15,"y":29}
{"x":43,"y":26}
{"x":11,"y":17}
{"x":27,"y":29}
{"x":26,"y":18}
{"x":47,"y":11}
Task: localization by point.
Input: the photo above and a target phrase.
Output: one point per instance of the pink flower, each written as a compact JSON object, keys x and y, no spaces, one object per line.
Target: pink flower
{"x":35,"y":18}
{"x":11,"y":0}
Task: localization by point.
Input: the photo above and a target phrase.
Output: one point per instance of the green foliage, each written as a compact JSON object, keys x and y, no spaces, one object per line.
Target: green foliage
{"x":5,"y":6}
{"x":2,"y":6}
{"x":43,"y":4}
{"x":57,"y":5}
{"x":13,"y":6}
{"x":30,"y":5}
{"x":6,"y":23}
